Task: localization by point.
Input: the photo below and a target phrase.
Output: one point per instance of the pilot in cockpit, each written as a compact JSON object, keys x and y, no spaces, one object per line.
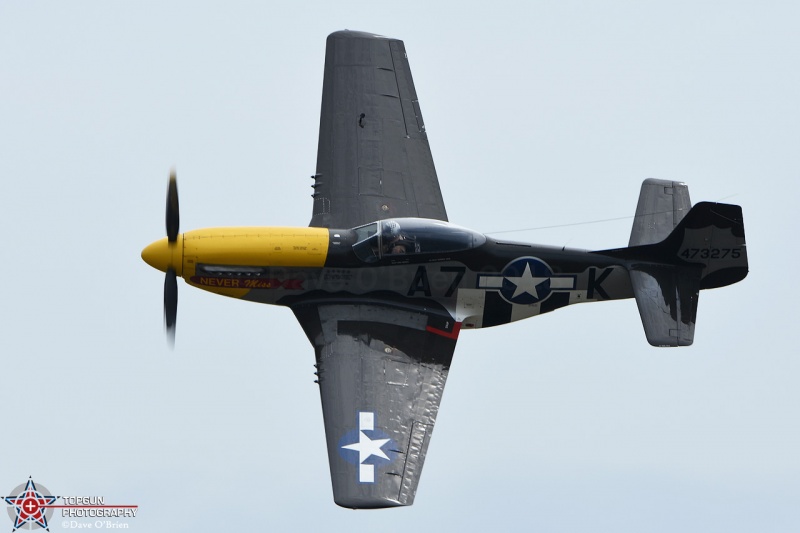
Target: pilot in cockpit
{"x":395,"y":242}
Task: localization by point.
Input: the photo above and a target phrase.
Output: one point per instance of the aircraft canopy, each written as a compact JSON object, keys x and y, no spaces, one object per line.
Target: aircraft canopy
{"x":399,"y":236}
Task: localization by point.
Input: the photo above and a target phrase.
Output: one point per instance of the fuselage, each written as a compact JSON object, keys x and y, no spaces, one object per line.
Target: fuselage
{"x":467,"y":278}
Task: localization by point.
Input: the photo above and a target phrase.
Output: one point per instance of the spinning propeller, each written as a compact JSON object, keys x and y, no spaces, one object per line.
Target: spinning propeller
{"x":171,"y":279}
{"x":167,"y":255}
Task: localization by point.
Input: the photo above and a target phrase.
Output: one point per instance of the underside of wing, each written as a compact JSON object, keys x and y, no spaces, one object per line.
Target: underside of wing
{"x":373,"y":159}
{"x":381,"y":373}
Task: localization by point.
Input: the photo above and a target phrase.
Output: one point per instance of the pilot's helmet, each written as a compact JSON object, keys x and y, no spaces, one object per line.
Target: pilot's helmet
{"x":391,"y":229}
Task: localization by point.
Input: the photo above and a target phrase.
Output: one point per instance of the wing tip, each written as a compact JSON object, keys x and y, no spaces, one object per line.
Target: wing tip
{"x":368,"y":503}
{"x":352,"y":34}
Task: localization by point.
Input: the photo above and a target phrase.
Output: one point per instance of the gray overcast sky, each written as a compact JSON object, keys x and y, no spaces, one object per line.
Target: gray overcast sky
{"x":539,"y":114}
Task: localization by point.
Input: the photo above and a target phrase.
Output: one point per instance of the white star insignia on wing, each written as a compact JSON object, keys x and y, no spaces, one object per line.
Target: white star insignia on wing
{"x":367,"y":447}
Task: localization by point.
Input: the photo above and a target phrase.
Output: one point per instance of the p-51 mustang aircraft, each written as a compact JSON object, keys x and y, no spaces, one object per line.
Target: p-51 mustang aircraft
{"x":383,"y":284}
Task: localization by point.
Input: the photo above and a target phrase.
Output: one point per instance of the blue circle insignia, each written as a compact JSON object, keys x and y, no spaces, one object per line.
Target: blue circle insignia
{"x":366,"y":447}
{"x":526,"y":281}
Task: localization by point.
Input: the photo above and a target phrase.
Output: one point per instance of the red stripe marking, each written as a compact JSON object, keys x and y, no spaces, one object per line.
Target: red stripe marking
{"x":449,"y":334}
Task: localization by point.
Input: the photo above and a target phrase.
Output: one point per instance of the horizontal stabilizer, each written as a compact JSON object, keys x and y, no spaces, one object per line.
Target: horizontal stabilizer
{"x":667,"y":299}
{"x":662,"y":205}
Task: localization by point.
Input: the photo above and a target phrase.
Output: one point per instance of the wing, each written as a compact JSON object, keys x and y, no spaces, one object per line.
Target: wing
{"x":381,"y":372}
{"x":373,"y":159}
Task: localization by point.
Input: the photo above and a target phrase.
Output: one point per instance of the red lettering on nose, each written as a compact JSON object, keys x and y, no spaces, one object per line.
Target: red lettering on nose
{"x":293,"y":284}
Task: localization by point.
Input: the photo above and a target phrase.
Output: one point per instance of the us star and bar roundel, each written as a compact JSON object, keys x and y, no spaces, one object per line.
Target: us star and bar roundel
{"x":526,"y":281}
{"x":368,"y":447}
